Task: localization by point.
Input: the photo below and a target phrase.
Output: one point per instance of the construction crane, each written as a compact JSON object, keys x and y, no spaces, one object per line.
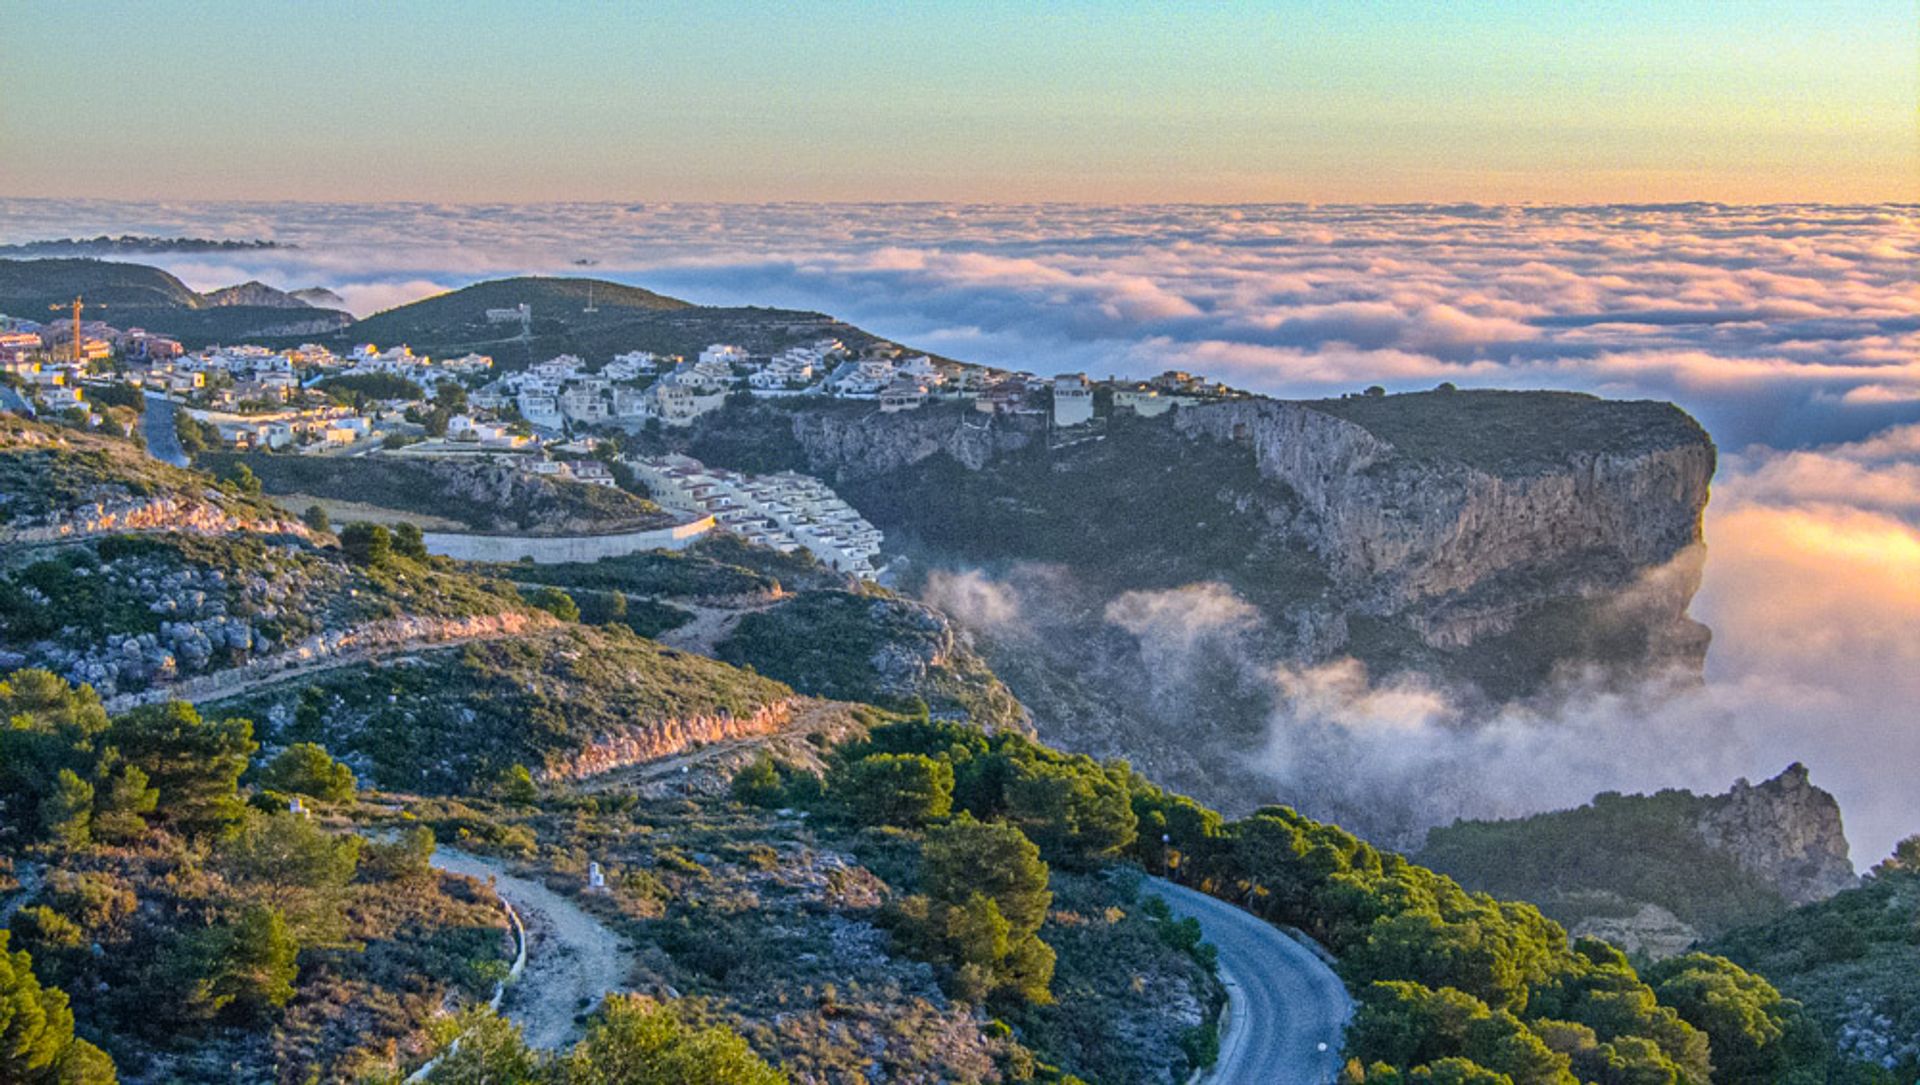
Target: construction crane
{"x":78,"y":303}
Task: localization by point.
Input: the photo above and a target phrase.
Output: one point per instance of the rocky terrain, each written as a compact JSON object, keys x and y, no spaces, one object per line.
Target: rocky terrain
{"x":60,"y":484}
{"x":255,"y":292}
{"x":1657,"y":873}
{"x":492,"y":498}
{"x":1785,"y":829}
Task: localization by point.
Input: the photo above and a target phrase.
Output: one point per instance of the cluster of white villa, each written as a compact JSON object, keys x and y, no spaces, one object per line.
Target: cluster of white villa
{"x":786,"y":511}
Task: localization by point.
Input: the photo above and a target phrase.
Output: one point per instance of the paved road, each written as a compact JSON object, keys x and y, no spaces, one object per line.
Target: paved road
{"x":11,"y":400}
{"x":157,"y":427}
{"x":1286,"y":1010}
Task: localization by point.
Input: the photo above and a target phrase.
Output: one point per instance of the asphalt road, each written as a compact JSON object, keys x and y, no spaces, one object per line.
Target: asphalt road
{"x":156,"y":426}
{"x":1286,"y":1010}
{"x":11,"y":400}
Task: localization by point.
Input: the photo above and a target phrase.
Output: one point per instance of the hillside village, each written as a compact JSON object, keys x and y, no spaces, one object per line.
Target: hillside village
{"x":311,"y":400}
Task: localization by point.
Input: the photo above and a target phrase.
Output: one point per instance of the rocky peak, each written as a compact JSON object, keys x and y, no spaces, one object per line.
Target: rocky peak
{"x":319,"y":297}
{"x":1786,"y":830}
{"x":254,"y":292}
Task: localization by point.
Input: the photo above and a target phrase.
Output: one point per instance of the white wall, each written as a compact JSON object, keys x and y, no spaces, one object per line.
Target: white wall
{"x":553,"y":549}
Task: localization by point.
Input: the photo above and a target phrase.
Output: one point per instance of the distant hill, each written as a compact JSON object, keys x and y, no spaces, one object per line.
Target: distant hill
{"x":623,"y":318}
{"x":133,"y":243}
{"x":255,"y":292}
{"x":135,"y":295}
{"x":319,"y":297}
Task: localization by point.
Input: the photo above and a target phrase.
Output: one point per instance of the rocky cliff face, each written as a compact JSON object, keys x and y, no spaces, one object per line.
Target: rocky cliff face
{"x":1453,"y":522}
{"x":868,"y":444}
{"x":1412,"y":530}
{"x":1786,"y":830}
{"x":1140,"y":584}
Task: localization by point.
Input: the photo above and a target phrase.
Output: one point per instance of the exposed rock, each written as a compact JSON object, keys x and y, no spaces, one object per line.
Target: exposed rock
{"x":255,"y":292}
{"x":655,"y":739}
{"x":319,"y":297}
{"x":861,"y":444}
{"x":1652,"y":931}
{"x":1785,"y":829}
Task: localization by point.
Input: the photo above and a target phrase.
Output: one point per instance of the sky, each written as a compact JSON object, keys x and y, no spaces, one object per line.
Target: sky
{"x":990,"y":100}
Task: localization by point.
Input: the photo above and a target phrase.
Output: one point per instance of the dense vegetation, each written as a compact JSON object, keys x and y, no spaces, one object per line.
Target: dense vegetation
{"x":147,"y":867}
{"x":1450,"y":983}
{"x":630,"y":1041}
{"x":1628,"y":848}
{"x":1854,"y":960}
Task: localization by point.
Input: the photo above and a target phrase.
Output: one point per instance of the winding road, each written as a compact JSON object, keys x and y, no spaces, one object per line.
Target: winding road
{"x":1286,"y":1010}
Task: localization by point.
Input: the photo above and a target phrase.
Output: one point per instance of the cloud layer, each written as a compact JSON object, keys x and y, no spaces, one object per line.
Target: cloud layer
{"x":1786,"y":325}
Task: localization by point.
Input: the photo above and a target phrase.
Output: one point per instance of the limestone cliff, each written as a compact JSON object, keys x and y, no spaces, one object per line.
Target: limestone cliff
{"x":1436,"y":532}
{"x":1139,"y":581}
{"x":1786,"y":830}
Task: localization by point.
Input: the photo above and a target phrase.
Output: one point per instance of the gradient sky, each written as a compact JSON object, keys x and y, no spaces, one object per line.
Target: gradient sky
{"x":1742,"y":100}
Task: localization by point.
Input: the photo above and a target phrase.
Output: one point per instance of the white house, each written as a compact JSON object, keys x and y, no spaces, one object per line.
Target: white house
{"x":724,"y":354}
{"x":1072,"y":400}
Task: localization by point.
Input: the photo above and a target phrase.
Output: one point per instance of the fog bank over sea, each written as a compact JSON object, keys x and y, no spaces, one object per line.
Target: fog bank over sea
{"x":1792,"y":332}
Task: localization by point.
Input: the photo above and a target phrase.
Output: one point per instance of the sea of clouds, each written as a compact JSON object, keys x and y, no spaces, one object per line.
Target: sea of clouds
{"x":1792,"y":332}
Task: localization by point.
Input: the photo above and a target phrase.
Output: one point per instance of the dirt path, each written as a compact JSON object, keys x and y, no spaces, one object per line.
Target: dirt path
{"x":278,"y":669}
{"x":573,"y":960}
{"x":710,"y":626}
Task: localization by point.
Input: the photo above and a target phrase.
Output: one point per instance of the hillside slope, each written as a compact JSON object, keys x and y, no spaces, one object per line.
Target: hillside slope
{"x":624,"y":318}
{"x":146,"y":580}
{"x":1855,"y":961}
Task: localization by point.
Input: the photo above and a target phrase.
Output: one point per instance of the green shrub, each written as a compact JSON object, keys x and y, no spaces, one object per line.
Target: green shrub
{"x":893,"y":789}
{"x":305,"y":769}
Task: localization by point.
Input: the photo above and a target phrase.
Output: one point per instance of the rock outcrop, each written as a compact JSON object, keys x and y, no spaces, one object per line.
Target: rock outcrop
{"x":1414,"y":529}
{"x":867,"y":444}
{"x":654,"y":739}
{"x":1786,"y":830}
{"x":189,"y":513}
{"x":254,"y":292}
